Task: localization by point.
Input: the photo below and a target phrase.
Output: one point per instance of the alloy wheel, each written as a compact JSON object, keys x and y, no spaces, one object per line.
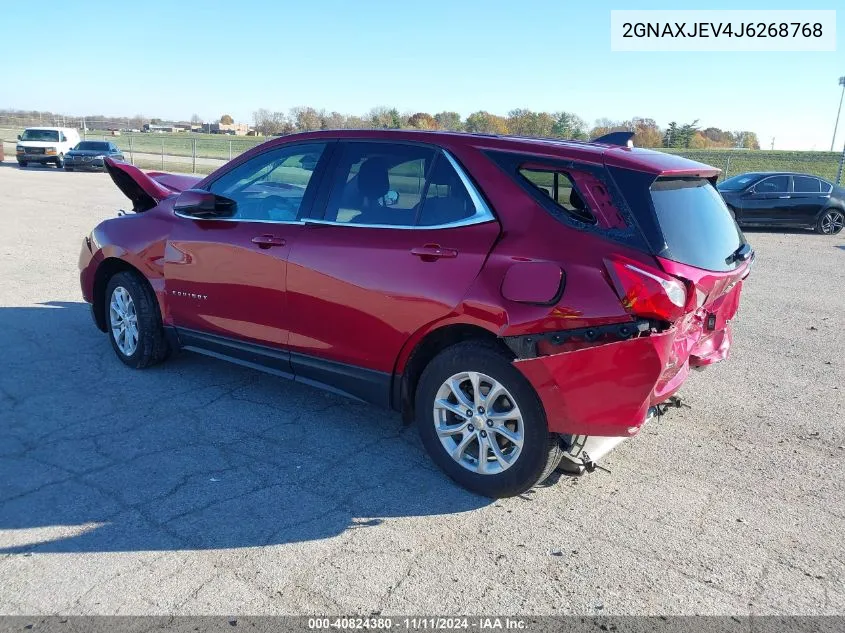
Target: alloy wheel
{"x":832,"y":222}
{"x":124,"y":321}
{"x":479,"y":423}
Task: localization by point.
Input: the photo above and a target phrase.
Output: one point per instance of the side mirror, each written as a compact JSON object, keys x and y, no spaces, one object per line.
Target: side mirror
{"x":201,"y":204}
{"x":19,"y":137}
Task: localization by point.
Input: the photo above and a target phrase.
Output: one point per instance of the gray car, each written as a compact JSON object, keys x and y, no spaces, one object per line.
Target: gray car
{"x":90,"y":155}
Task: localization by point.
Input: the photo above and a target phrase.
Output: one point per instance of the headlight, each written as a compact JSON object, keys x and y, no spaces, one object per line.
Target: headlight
{"x":19,"y":149}
{"x":50,"y":150}
{"x":100,"y":156}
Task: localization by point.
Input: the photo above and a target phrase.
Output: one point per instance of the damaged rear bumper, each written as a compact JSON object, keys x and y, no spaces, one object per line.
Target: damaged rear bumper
{"x":606,"y":390}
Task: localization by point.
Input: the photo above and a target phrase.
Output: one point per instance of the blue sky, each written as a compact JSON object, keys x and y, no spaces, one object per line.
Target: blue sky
{"x":173,"y":59}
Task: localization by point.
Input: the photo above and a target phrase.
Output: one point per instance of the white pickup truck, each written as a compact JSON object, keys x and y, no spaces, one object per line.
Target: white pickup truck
{"x":45,"y":145}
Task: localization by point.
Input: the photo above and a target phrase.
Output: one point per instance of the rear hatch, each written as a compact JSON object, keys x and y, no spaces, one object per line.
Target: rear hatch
{"x":695,"y":241}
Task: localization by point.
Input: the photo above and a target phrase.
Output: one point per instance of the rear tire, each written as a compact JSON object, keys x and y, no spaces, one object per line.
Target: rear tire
{"x":508,"y":468}
{"x":830,"y":222}
{"x":133,"y":320}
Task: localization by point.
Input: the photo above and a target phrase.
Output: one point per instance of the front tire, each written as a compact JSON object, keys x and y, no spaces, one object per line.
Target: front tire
{"x":134,"y":321}
{"x":60,"y":161}
{"x":482,"y":422}
{"x":68,"y":168}
{"x":22,"y":163}
{"x":831,"y":222}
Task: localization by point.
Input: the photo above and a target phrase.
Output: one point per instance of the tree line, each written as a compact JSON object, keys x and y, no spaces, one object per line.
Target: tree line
{"x":520,"y":122}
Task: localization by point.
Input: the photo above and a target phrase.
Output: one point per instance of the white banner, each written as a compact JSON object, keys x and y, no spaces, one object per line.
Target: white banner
{"x":721,"y":30}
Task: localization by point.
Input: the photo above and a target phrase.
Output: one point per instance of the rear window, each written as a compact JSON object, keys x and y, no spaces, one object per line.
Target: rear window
{"x":696,"y":225}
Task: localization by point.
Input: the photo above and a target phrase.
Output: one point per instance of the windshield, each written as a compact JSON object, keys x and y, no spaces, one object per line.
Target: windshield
{"x":93,"y":145}
{"x":40,"y":135}
{"x":737,"y":183}
{"x":697,"y":226}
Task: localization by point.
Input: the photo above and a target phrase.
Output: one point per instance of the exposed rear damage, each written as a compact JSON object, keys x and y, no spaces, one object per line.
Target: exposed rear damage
{"x":598,"y":395}
{"x":600,"y":385}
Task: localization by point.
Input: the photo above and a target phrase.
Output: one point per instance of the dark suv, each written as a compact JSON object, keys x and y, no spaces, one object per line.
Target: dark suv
{"x":528,"y":302}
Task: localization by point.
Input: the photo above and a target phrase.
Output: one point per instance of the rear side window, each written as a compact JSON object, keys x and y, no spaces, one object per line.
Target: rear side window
{"x":805,"y":184}
{"x":379,"y":183}
{"x":558,"y":186}
{"x":696,"y":225}
{"x":446,"y":198}
{"x":398,"y":185}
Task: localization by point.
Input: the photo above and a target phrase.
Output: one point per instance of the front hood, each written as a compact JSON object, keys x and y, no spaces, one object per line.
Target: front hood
{"x":38,"y":143}
{"x":146,"y":190}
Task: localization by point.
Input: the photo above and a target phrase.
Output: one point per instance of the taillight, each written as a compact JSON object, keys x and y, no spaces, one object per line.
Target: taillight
{"x":646,"y":292}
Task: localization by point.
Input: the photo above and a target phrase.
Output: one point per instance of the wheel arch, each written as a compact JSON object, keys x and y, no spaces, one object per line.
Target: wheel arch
{"x":421,"y":349}
{"x":833,"y":205}
{"x":107,"y":269}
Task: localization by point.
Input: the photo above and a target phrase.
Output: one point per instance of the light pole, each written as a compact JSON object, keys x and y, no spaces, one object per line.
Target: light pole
{"x":838,"y":112}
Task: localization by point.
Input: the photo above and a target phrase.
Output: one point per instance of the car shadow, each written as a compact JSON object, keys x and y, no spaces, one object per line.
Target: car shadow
{"x":191,"y":454}
{"x":12,"y":163}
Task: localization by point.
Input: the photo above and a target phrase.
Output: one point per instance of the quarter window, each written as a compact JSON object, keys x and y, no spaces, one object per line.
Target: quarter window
{"x":272,"y":186}
{"x":559,"y":188}
{"x":805,"y":184}
{"x":773,"y":184}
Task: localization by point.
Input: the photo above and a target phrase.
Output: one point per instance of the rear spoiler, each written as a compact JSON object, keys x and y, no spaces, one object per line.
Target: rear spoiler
{"x":623,"y":139}
{"x":146,"y":190}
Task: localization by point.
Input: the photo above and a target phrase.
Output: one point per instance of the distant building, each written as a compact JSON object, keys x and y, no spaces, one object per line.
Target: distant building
{"x":238,"y":129}
{"x":161,"y":129}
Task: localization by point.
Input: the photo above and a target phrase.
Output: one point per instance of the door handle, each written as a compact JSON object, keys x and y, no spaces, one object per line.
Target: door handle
{"x":266,"y":241}
{"x":432,"y":252}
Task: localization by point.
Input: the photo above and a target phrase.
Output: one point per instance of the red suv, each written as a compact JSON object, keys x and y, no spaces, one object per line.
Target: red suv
{"x":529,"y":302}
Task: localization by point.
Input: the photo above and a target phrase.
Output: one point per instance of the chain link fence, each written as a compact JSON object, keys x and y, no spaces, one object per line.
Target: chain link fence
{"x":191,"y":152}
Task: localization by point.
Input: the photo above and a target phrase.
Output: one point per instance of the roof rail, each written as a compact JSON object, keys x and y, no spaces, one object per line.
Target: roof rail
{"x":616,"y":138}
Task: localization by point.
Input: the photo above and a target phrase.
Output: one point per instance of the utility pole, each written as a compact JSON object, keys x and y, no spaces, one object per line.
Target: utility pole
{"x":773,"y":142}
{"x":838,"y":112}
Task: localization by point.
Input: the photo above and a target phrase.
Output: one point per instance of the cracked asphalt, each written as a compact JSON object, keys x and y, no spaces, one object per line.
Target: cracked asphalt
{"x":198,"y":487}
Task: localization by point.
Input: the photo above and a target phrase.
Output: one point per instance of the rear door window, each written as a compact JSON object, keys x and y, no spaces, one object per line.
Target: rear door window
{"x":446,"y":198}
{"x":806,"y":184}
{"x":400,"y":185}
{"x":379,"y":184}
{"x":697,"y":227}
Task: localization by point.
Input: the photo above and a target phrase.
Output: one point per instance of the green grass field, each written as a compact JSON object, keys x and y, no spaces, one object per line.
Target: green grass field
{"x":733,"y":162}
